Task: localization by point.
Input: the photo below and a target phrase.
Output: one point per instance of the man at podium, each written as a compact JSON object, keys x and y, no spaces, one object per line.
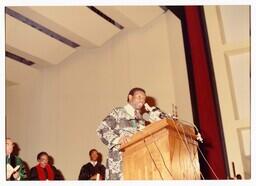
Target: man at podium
{"x":117,"y":128}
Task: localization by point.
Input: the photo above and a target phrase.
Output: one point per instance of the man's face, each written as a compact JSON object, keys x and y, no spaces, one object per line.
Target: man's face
{"x":137,"y":100}
{"x":9,"y":146}
{"x":94,"y":156}
{"x":43,"y":161}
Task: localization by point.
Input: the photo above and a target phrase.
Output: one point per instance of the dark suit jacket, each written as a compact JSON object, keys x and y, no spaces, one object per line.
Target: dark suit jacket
{"x":88,"y":170}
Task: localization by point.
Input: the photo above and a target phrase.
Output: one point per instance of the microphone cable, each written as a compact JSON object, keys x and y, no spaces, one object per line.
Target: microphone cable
{"x":208,"y":164}
{"x":186,"y":148}
{"x":190,"y":153}
{"x":152,"y":159}
{"x":162,"y":157}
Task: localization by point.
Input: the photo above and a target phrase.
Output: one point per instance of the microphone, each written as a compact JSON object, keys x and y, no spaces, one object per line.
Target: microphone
{"x":147,"y":107}
{"x":198,"y":135}
{"x":155,"y":114}
{"x":146,"y":116}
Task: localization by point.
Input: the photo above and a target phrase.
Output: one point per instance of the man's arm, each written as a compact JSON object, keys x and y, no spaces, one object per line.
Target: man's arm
{"x":84,"y":174}
{"x":102,"y":172}
{"x":21,"y":171}
{"x":107,"y":130}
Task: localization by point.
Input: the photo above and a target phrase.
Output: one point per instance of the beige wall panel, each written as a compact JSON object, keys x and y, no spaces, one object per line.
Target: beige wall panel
{"x":231,"y":68}
{"x":19,"y":73}
{"x":179,"y":68}
{"x":239,"y":66}
{"x":235,"y":21}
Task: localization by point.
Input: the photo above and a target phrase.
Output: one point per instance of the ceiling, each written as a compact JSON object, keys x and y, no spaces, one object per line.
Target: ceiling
{"x":42,"y":36}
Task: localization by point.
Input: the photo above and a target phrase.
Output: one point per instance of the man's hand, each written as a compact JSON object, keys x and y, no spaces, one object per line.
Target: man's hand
{"x":16,"y":175}
{"x":93,"y":177}
{"x":124,"y":140}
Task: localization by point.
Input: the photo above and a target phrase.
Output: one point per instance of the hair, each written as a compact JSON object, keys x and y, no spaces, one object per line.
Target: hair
{"x":9,"y":139}
{"x":99,"y":160}
{"x":91,"y":151}
{"x":41,"y":154}
{"x":133,"y":90}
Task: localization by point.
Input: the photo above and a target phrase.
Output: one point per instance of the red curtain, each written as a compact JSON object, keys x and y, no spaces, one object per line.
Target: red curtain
{"x":213,"y":148}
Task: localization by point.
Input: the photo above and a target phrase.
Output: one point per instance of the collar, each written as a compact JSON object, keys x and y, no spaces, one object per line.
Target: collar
{"x":8,"y":157}
{"x":130,"y":110}
{"x":94,"y":163}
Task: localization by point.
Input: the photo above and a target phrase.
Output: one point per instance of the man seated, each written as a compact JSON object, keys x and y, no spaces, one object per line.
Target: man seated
{"x":93,"y":170}
{"x":43,"y":170}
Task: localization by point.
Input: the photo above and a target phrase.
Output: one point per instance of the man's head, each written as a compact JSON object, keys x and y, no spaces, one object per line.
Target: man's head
{"x":136,"y":98}
{"x":43,"y":159}
{"x":9,"y":146}
{"x":93,"y":155}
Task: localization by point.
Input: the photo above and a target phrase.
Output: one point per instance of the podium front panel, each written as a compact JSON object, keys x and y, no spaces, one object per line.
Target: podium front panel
{"x":163,"y":155}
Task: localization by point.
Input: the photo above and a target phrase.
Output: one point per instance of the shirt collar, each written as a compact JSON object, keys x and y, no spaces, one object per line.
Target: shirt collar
{"x":93,"y":162}
{"x":130,"y":110}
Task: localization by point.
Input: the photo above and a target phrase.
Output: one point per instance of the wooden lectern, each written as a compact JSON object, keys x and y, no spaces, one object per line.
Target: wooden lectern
{"x":166,"y":149}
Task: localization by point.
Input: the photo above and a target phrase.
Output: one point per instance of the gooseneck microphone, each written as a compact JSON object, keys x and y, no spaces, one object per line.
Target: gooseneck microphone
{"x":155,"y":114}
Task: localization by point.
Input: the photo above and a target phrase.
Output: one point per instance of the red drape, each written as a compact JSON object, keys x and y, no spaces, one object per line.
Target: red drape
{"x":207,"y":112}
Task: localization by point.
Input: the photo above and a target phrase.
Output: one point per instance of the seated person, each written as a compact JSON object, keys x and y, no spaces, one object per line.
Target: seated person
{"x":14,"y":165}
{"x":92,"y":169}
{"x":43,"y":170}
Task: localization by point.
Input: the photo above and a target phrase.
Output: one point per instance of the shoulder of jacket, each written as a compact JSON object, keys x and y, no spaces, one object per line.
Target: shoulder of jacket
{"x":18,"y":159}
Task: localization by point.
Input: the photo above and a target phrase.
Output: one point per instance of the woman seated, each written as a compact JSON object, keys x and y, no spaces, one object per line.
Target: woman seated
{"x":43,"y":170}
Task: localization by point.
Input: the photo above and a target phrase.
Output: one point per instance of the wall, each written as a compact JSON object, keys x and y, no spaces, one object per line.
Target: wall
{"x":230,"y":50}
{"x":59,"y":111}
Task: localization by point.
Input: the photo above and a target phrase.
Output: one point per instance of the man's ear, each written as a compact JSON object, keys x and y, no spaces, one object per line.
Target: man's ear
{"x":130,"y":97}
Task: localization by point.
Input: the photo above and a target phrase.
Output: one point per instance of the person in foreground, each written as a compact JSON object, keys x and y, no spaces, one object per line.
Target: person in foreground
{"x":15,"y":169}
{"x":118,"y":127}
{"x":93,"y":170}
{"x":43,"y":170}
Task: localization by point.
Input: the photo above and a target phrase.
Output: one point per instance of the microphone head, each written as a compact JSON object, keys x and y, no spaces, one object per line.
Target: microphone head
{"x":146,"y":116}
{"x":147,"y":107}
